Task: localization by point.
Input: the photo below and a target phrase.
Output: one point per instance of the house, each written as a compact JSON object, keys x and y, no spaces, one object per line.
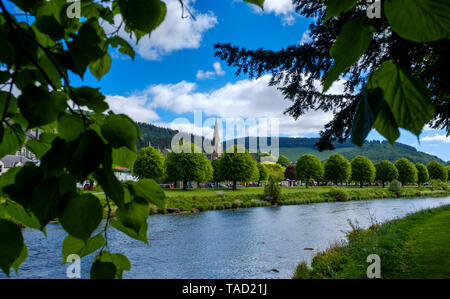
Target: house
{"x":11,"y":161}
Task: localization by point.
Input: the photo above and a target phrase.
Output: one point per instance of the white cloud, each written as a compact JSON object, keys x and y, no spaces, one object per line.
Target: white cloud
{"x":202,"y":75}
{"x":218,"y":69}
{"x":175,"y":33}
{"x":133,"y":106}
{"x":246,"y":99}
{"x":306,"y":37}
{"x":436,"y":137}
{"x":283,"y":8}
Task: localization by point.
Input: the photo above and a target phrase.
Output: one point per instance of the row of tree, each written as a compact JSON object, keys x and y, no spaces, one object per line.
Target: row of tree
{"x":234,"y":166}
{"x":239,"y":166}
{"x":337,"y":169}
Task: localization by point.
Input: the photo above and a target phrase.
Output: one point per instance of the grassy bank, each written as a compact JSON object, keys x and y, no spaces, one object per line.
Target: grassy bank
{"x":219,"y":199}
{"x":417,"y":246}
{"x":208,"y":199}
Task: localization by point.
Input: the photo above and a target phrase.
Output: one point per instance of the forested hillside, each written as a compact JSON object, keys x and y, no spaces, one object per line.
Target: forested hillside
{"x":295,"y":147}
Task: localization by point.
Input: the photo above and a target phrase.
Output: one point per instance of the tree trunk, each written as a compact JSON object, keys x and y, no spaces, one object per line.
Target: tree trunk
{"x":184,"y":185}
{"x":306,"y":184}
{"x":234,"y":185}
{"x":360,"y":184}
{"x":383,"y":184}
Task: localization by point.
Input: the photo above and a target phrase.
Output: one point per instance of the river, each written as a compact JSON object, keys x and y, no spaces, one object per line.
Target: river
{"x":242,"y":243}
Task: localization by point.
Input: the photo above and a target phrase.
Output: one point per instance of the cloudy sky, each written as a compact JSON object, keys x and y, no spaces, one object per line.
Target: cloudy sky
{"x":175,"y":72}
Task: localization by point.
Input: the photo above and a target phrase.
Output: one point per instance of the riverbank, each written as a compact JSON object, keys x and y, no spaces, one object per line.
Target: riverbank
{"x":416,"y":246}
{"x":198,"y":200}
{"x":203,"y":200}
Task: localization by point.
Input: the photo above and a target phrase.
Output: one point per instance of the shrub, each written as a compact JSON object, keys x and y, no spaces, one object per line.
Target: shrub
{"x":439,"y":185}
{"x":395,"y":186}
{"x":338,"y":194}
{"x":302,"y":271}
{"x":272,"y":191}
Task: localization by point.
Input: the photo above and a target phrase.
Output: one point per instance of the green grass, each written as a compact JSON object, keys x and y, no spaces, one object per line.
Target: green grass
{"x":417,"y":246}
{"x":219,"y":199}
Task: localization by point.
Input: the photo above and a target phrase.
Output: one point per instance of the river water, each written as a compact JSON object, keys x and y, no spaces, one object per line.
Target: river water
{"x":242,"y":243}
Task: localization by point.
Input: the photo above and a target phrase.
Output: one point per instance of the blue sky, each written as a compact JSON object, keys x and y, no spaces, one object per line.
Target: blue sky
{"x":175,"y":71}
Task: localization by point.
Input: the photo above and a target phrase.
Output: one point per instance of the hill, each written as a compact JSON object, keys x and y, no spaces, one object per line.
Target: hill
{"x":375,"y":150}
{"x":293,"y":148}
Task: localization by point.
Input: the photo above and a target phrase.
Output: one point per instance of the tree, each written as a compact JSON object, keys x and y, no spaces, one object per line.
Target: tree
{"x":448,"y":172}
{"x":275,"y":170}
{"x":204,"y":170}
{"x":308,"y":168}
{"x":407,"y":172}
{"x":437,"y":171}
{"x":363,"y":170}
{"x":183,"y":167}
{"x":236,"y":166}
{"x":289,"y":173}
{"x":344,"y":43}
{"x":422,"y":173}
{"x":216,"y":176}
{"x":43,"y":49}
{"x":283,"y":161}
{"x":149,"y":164}
{"x":263,"y":173}
{"x":336,"y":169}
{"x":385,"y":172}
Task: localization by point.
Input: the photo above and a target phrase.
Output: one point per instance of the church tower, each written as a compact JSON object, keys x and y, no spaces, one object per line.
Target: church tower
{"x":217,"y":144}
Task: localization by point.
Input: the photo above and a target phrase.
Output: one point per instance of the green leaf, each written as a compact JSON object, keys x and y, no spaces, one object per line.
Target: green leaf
{"x":103,"y":270}
{"x":149,"y":190}
{"x":143,"y":15}
{"x":39,"y":106}
{"x":351,"y":43}
{"x":366,"y":113}
{"x":12,"y":106}
{"x":101,"y":66}
{"x":52,"y":163}
{"x":119,"y":261}
{"x":85,"y":154}
{"x":120,"y":130}
{"x":385,"y":123}
{"x":260,"y":3}
{"x":42,"y":146}
{"x":123,"y":157}
{"x":407,"y":97}
{"x":8,"y":178}
{"x":419,"y":20}
{"x":70,"y":126}
{"x":12,"y":141}
{"x":125,"y":47}
{"x":25,"y":180}
{"x":22,"y":257}
{"x":50,"y":26}
{"x":4,"y":76}
{"x":72,"y":245}
{"x":44,"y":201}
{"x":80,"y":215}
{"x":132,"y":219}
{"x":11,"y":244}
{"x":19,"y":214}
{"x":336,"y":7}
{"x":91,"y":98}
{"x":111,"y":185}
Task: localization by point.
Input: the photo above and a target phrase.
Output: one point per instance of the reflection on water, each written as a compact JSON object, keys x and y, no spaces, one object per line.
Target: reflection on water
{"x":244,"y":243}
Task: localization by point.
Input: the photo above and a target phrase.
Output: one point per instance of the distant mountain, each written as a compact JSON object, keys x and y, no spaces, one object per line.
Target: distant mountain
{"x":155,"y":136}
{"x":293,"y":148}
{"x":375,"y":150}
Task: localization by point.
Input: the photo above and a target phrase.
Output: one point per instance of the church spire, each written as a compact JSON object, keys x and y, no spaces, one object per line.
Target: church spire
{"x":217,"y":145}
